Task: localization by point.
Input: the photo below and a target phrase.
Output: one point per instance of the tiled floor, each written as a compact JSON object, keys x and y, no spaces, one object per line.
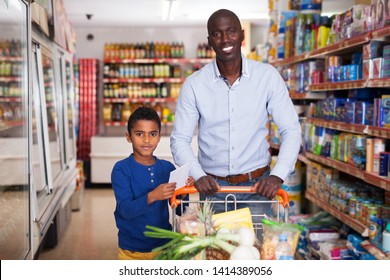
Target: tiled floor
{"x":91,"y":234}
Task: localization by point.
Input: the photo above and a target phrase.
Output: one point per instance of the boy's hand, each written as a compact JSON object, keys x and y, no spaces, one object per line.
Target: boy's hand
{"x":190,"y":181}
{"x":162,"y":192}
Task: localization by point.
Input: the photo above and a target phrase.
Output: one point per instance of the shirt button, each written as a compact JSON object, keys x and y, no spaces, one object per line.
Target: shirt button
{"x":151,"y":174}
{"x":149,"y":169}
{"x":152,"y":181}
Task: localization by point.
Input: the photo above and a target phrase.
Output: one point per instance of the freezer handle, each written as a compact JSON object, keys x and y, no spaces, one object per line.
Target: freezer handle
{"x":175,"y":202}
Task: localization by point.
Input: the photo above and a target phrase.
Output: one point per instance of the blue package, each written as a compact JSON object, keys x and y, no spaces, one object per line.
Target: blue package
{"x":349,"y":108}
{"x":357,"y":58}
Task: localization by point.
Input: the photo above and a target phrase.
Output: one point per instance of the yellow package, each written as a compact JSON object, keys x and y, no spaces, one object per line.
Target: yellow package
{"x":234,"y":219}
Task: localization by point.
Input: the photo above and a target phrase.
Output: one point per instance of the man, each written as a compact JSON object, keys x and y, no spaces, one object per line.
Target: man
{"x":229,"y":100}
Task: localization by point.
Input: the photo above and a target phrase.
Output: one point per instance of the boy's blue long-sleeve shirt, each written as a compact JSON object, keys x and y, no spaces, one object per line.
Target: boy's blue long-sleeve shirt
{"x":132,"y":182}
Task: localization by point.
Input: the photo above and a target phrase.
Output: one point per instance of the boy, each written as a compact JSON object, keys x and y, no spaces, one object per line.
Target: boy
{"x":141,"y":188}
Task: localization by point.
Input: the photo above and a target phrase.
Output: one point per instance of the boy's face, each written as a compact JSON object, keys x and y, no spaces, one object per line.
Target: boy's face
{"x":145,"y":137}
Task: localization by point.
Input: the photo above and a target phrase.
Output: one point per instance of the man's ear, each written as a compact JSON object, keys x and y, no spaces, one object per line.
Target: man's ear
{"x":243,"y":35}
{"x":128,"y":137}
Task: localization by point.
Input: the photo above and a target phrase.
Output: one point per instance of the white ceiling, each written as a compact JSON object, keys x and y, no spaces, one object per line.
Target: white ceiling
{"x":190,"y":12}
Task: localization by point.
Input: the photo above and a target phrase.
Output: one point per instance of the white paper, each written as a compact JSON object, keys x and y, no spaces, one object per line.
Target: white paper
{"x":180,"y":175}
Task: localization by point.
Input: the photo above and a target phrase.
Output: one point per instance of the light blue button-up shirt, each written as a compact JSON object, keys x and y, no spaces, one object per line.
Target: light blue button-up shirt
{"x":232,"y":121}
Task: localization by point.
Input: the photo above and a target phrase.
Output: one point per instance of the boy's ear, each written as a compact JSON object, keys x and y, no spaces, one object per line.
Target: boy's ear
{"x":128,"y":137}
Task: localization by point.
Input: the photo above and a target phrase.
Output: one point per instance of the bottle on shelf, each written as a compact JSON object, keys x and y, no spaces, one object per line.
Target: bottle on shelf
{"x":126,"y":112}
{"x":283,"y":250}
{"x":386,"y":240}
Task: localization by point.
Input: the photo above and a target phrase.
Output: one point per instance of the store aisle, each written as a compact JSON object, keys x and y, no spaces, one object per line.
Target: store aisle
{"x":92,"y":234}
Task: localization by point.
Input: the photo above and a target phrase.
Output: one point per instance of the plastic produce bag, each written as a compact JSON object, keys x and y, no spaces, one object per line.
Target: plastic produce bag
{"x":271,"y":232}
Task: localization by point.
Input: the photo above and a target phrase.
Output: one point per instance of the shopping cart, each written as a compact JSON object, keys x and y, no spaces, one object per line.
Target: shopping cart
{"x":231,"y":199}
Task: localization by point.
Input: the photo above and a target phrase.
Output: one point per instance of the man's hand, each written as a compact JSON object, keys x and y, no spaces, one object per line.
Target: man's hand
{"x":162,"y":192}
{"x":268,"y":187}
{"x":206,"y":185}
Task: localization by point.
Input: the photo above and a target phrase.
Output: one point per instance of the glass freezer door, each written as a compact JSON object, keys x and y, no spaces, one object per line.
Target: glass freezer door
{"x":47,"y":68}
{"x":71,"y":147}
{"x":67,"y":112}
{"x":14,"y":161}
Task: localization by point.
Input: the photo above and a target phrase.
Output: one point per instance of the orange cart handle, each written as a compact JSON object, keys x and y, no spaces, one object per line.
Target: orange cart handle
{"x":174,"y":201}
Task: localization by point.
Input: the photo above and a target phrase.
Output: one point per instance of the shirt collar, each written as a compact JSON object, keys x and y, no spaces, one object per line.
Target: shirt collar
{"x":245,"y":70}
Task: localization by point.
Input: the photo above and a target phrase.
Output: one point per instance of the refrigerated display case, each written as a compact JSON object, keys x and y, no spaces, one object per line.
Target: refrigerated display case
{"x":53,"y":117}
{"x":15,"y":242}
{"x":37,"y":134}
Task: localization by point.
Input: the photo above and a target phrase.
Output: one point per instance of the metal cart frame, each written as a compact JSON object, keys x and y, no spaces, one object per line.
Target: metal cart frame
{"x":230,"y":199}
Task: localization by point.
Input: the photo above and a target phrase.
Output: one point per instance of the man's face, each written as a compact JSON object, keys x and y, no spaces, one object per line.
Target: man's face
{"x":225,"y":37}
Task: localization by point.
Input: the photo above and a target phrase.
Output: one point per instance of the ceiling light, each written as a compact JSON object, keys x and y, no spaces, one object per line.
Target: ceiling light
{"x":169,"y":9}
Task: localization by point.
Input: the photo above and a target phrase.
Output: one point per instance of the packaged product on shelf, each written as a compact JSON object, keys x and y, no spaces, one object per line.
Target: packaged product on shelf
{"x":334,"y":146}
{"x":311,"y":6}
{"x":107,"y":112}
{"x":380,"y":14}
{"x":349,"y":108}
{"x":377,"y":67}
{"x":319,"y":139}
{"x":384,"y":164}
{"x":357,"y":151}
{"x":364,"y":113}
{"x":379,"y":147}
{"x":335,"y":30}
{"x":386,"y":62}
{"x":372,"y":18}
{"x":323,"y":32}
{"x":126,"y":112}
{"x":299,"y":34}
{"x":356,"y":21}
{"x":369,"y":154}
{"x":289,"y":39}
{"x":386,"y":110}
{"x":307,"y":39}
{"x":315,"y":66}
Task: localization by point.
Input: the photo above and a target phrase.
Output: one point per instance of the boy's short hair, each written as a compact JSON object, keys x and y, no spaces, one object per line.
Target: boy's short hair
{"x":143,"y":113}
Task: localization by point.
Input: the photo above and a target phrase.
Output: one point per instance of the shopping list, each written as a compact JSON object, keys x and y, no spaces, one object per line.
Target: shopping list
{"x":180,"y":175}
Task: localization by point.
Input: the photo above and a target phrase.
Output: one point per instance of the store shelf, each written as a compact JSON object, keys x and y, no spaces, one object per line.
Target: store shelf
{"x":356,"y":225}
{"x":114,"y":123}
{"x":339,"y":85}
{"x":370,"y":83}
{"x":4,"y":125}
{"x":159,"y":60}
{"x":378,"y":83}
{"x":380,"y":33}
{"x":10,"y":58}
{"x":301,"y":157}
{"x":143,"y":80}
{"x":375,"y":251}
{"x":382,"y":132}
{"x":138,"y":100}
{"x":11,"y":99}
{"x":308,"y":95}
{"x":10,"y":79}
{"x":342,"y":46}
{"x":371,"y":178}
{"x":292,"y":60}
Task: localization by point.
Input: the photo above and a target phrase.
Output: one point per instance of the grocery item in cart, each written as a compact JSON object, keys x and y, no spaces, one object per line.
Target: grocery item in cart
{"x":271,"y":232}
{"x":233,"y":220}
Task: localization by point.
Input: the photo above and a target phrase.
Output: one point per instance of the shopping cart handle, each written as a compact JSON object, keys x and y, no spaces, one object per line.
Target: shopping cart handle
{"x":175,"y":202}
